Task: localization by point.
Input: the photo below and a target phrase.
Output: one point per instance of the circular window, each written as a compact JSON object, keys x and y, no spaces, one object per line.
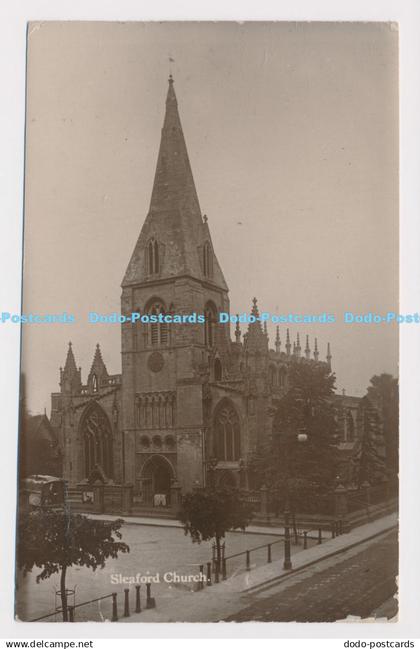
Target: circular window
{"x":170,"y":442}
{"x":145,"y":441}
{"x":155,"y":362}
{"x":157,"y":441}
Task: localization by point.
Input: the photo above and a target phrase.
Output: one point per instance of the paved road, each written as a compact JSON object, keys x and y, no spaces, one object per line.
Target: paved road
{"x":354,"y":586}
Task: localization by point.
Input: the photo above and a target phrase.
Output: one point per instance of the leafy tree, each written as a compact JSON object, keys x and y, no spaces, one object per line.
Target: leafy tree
{"x":369,"y":464}
{"x":55,"y":540}
{"x":210,"y":513}
{"x":383,"y":393}
{"x":302,"y":471}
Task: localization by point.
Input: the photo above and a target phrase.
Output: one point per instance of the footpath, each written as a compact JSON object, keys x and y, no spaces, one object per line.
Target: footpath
{"x":227,"y":598}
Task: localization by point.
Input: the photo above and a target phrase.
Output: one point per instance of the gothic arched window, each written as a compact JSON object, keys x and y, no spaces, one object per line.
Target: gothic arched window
{"x":217,"y":370}
{"x":153,"y":257}
{"x":209,"y":325}
{"x":227,"y":433}
{"x":97,"y":440}
{"x":207,"y":260}
{"x":94,"y":383}
{"x":158,"y":331}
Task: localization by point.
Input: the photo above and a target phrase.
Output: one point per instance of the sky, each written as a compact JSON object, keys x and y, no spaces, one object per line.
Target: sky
{"x":292,"y":134}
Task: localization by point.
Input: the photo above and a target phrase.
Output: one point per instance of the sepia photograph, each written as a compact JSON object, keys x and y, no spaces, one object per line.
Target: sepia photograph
{"x":209,"y":378}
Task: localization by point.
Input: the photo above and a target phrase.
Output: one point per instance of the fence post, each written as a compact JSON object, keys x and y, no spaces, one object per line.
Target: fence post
{"x":333,"y":530}
{"x":126,"y":602}
{"x":114,"y":608}
{"x":138,"y":605}
{"x":305,"y":540}
{"x":150,"y":601}
{"x":71,"y":613}
{"x":223,"y":569}
{"x":201,"y":572}
{"x":248,"y":560}
{"x":319,"y":536}
{"x":216,"y":571}
{"x":208,"y":573}
{"x":264,"y":500}
{"x":269,"y":553}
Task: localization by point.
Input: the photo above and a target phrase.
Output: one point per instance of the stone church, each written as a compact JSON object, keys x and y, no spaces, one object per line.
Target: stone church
{"x":190,"y":404}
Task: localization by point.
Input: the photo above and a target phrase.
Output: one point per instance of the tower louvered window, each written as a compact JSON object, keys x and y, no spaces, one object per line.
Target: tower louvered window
{"x":158,"y":330}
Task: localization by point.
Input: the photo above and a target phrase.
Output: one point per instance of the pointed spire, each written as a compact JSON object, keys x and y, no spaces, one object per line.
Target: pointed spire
{"x":329,"y":357}
{"x":278,"y":341}
{"x":255,"y":337}
{"x":288,"y":345}
{"x":298,"y":347}
{"x":316,"y":352}
{"x":174,"y":219}
{"x":237,"y":330}
{"x":70,"y":364}
{"x":98,"y":371}
{"x":307,"y":349}
{"x":70,"y":376}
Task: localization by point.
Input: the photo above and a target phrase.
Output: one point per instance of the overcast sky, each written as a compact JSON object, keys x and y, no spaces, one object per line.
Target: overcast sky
{"x":292,"y":133}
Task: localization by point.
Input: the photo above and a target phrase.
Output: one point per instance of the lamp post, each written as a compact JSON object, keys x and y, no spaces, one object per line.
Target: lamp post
{"x":301,"y":437}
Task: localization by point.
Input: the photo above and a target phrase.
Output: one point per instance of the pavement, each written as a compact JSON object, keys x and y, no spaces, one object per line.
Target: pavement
{"x":170,"y":522}
{"x":332,"y":571}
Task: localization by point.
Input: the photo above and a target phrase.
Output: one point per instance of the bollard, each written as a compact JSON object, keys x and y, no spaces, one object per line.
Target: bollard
{"x":200,"y":583}
{"x":138,"y":605}
{"x":114,"y":608}
{"x":269,"y":553}
{"x":71,"y":613}
{"x":305,"y":540}
{"x":150,"y":601}
{"x":223,"y":569}
{"x":248,"y":560}
{"x":208,"y":573}
{"x":319,"y":536}
{"x":126,"y":602}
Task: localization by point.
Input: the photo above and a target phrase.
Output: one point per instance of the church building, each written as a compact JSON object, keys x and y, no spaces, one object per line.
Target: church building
{"x":191,"y":404}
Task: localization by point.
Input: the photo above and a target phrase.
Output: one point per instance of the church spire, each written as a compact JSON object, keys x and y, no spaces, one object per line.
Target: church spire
{"x":278,"y":342}
{"x":174,"y":226}
{"x":255,"y":337}
{"x":307,"y":349}
{"x":70,"y":376}
{"x":288,"y":345}
{"x":316,"y":352}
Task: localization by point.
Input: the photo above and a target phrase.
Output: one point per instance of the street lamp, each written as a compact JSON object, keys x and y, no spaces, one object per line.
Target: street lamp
{"x":301,"y":437}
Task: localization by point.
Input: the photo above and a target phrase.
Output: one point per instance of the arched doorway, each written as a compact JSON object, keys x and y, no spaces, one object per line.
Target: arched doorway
{"x":96,"y":434}
{"x":156,"y":478}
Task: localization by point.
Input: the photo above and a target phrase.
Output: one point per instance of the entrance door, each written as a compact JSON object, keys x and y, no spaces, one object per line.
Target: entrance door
{"x":157,"y":473}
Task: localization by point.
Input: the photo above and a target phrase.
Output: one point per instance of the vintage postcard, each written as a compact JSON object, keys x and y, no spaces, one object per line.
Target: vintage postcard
{"x":210,"y":323}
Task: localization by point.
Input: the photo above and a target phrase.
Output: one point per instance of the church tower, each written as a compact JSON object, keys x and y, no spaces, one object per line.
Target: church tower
{"x":173,"y":270}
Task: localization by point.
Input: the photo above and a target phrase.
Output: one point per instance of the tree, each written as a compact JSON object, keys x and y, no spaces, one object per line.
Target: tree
{"x":383,"y":393}
{"x":303,"y":471}
{"x":55,"y":540}
{"x":369,"y":464}
{"x":210,"y":513}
